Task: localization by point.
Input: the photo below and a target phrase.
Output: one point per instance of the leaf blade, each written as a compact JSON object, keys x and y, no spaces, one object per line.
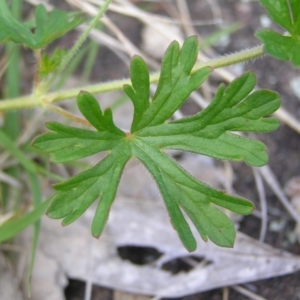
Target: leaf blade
{"x":176,"y":185}
{"x":286,"y":13}
{"x":49,"y":27}
{"x":175,"y":83}
{"x":75,"y":195}
{"x":280,"y":47}
{"x":280,"y":13}
{"x":211,"y":132}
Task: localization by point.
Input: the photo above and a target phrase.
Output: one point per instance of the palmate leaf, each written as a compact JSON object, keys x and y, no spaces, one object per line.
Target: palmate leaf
{"x":209,"y":132}
{"x":49,"y":27}
{"x":285,"y":13}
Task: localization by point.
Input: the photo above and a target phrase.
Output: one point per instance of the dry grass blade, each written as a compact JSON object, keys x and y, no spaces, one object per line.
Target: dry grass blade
{"x":29,"y":131}
{"x":128,"y":46}
{"x":247,"y":293}
{"x":225,"y":293}
{"x":185,"y":17}
{"x":263,"y":204}
{"x":10,"y":180}
{"x":215,"y":9}
{"x":3,"y":65}
{"x":286,"y":117}
{"x":273,"y":183}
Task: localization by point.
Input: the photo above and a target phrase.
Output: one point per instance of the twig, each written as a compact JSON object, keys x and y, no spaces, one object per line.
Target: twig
{"x":128,"y":46}
{"x":216,"y":10}
{"x":3,"y":65}
{"x":185,"y":17}
{"x":247,"y":293}
{"x":263,"y":204}
{"x":80,"y":41}
{"x":286,"y":117}
{"x":68,"y":115}
{"x":270,"y":178}
{"x":225,"y":293}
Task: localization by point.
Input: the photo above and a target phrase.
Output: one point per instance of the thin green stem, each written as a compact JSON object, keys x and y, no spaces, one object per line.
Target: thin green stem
{"x":67,"y":115}
{"x":12,"y":118}
{"x":80,"y":41}
{"x":90,"y":61}
{"x":19,"y":103}
{"x":38,"y":57}
{"x":71,"y":68}
{"x":12,"y":78}
{"x":232,"y":59}
{"x":31,"y":101}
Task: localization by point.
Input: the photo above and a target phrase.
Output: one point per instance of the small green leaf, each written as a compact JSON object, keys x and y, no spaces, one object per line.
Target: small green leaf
{"x":280,"y":47}
{"x":285,"y":13}
{"x":50,"y":63}
{"x":49,"y":27}
{"x":210,"y":132}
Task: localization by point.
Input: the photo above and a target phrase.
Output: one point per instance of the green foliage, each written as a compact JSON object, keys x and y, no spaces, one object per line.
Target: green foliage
{"x":12,"y":227}
{"x":50,"y":63}
{"x":7,"y":143}
{"x":285,"y":13}
{"x":49,"y":27}
{"x":208,"y":132}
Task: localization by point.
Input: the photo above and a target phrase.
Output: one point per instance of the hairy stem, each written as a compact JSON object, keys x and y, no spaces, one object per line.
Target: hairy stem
{"x":79,"y":42}
{"x":33,"y":101}
{"x":38,"y":57}
{"x":67,"y":115}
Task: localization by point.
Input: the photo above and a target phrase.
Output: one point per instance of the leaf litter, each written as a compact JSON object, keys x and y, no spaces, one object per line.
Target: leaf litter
{"x":70,"y":252}
{"x":77,"y":255}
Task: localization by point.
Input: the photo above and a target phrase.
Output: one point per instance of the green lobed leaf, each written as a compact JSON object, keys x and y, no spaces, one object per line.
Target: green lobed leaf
{"x":67,"y":143}
{"x":232,"y":109}
{"x":210,"y":132}
{"x":175,"y":85}
{"x":49,"y":27}
{"x":280,"y":47}
{"x":78,"y":193}
{"x":181,"y":191}
{"x":285,"y":13}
